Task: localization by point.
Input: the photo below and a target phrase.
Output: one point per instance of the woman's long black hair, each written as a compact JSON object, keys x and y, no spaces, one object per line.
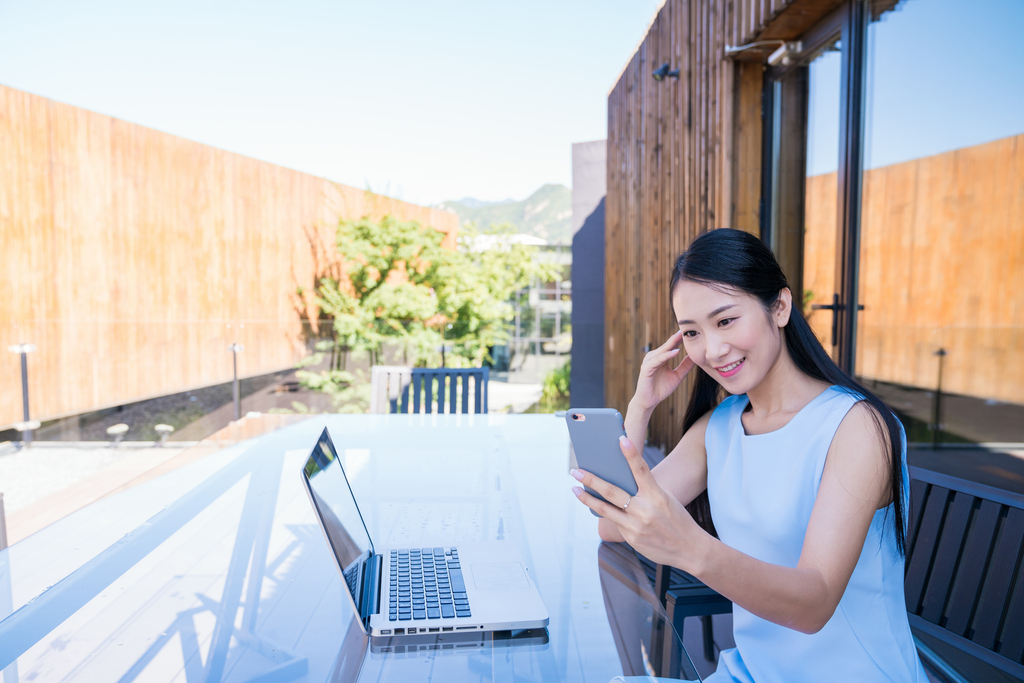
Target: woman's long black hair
{"x":738,"y":260}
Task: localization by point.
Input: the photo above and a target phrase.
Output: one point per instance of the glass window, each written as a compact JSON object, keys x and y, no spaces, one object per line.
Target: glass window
{"x":941,"y":278}
{"x":821,"y":190}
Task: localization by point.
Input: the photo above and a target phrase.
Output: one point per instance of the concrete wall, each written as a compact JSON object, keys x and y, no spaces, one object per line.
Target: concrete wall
{"x":589,"y":179}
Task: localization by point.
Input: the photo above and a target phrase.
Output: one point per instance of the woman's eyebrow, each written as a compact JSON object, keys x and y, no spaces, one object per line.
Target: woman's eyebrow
{"x":712,"y":314}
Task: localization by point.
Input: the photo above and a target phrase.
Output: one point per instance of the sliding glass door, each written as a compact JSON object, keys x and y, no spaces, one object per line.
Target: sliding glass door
{"x":941,"y":257}
{"x":894,"y":196}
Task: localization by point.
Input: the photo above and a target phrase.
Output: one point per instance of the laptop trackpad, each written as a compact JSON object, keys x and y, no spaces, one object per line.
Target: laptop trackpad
{"x":499,"y":576}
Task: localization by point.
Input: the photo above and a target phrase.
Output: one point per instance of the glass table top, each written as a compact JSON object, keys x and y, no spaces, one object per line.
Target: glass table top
{"x":218,"y":571}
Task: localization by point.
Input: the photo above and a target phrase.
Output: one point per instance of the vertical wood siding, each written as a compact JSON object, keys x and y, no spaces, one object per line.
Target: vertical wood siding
{"x":132,"y":258}
{"x":684,"y":157}
{"x":672,"y":147}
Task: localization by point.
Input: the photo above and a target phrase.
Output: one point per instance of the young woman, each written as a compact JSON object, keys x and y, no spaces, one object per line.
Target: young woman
{"x":804,"y":472}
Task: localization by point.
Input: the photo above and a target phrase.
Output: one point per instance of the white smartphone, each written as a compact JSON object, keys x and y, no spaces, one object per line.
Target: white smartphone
{"x":595,"y":433}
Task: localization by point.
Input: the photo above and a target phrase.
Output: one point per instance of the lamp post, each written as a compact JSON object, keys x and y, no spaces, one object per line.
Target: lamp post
{"x":937,"y":403}
{"x":24,"y":350}
{"x":235,"y":349}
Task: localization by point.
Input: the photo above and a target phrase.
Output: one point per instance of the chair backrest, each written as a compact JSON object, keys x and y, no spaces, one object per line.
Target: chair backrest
{"x":434,"y":389}
{"x":964,"y":574}
{"x":387,"y":384}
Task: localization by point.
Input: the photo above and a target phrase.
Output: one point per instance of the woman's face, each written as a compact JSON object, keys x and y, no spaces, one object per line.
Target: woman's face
{"x":728,"y":334}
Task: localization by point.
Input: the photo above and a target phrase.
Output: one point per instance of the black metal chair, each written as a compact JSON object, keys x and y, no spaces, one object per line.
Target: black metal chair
{"x":441,"y":385}
{"x":964,"y":569}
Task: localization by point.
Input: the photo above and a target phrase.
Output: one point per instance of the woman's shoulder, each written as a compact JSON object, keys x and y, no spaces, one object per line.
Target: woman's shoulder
{"x":726,"y":412}
{"x":844,"y":394}
{"x":730,"y":404}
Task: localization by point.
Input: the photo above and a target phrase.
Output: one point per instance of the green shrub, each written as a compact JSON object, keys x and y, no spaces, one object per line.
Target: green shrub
{"x":555,"y":394}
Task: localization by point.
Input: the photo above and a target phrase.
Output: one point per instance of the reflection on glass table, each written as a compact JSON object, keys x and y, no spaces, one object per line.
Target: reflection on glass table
{"x":218,"y":572}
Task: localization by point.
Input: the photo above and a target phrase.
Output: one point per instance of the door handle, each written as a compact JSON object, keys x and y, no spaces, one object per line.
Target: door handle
{"x":835,"y":307}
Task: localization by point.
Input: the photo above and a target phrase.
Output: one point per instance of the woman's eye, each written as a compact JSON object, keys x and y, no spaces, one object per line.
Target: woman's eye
{"x":725,"y":321}
{"x":689,"y":334}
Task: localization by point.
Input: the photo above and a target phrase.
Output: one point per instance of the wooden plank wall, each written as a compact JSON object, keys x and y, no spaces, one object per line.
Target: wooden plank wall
{"x":684,"y":156}
{"x":132,"y":258}
{"x":942,"y":266}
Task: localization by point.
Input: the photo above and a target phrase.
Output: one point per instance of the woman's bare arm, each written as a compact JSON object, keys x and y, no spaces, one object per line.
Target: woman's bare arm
{"x":854,"y":484}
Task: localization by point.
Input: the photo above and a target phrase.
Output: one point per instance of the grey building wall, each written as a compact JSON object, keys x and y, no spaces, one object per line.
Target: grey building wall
{"x":589,"y":179}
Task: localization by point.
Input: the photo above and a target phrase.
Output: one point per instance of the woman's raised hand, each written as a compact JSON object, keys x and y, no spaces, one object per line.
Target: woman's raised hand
{"x":659,"y":376}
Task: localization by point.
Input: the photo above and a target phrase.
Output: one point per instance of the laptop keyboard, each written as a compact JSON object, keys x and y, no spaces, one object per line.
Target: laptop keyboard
{"x":427,"y":583}
{"x":351,"y":577}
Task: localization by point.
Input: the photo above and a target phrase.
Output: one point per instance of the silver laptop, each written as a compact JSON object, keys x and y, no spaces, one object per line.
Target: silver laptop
{"x":465,"y":587}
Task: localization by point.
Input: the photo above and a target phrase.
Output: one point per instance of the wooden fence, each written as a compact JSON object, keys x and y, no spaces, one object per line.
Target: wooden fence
{"x":684,"y":156}
{"x":942,"y":266}
{"x":132,"y":258}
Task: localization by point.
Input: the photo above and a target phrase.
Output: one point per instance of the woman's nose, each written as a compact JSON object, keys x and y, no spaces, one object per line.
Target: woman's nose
{"x":717,"y":348}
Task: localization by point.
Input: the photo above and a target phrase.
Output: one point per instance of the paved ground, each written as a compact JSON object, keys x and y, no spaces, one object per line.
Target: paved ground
{"x":30,"y":474}
{"x":512,"y":397}
{"x":1002,"y":469}
{"x":963,"y":418}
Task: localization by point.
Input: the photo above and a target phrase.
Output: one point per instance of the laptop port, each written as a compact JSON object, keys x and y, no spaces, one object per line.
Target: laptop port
{"x":447,"y":628}
{"x":385,"y":632}
{"x":399,"y":631}
{"x":434,"y":630}
{"x":465,"y":628}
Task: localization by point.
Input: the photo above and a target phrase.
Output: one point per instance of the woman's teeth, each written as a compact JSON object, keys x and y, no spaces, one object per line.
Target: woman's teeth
{"x":735,"y":365}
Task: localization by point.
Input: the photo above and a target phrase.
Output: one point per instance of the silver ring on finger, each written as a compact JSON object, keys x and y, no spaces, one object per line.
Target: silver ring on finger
{"x":627,"y":504}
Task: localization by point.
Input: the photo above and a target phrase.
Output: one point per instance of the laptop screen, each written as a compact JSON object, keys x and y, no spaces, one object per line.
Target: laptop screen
{"x":337,"y":508}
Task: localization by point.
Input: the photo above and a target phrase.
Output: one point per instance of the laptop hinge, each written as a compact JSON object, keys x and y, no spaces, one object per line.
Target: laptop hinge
{"x":371,"y":587}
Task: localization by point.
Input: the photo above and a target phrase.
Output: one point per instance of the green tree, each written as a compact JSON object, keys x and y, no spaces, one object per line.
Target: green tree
{"x":400,"y":286}
{"x":386,"y":293}
{"x":478,"y":303}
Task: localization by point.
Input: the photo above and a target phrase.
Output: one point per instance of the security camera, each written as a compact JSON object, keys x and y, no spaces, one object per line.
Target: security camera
{"x":663,"y":71}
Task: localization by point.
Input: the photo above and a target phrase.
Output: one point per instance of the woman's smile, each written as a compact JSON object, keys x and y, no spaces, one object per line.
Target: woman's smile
{"x":730,"y":369}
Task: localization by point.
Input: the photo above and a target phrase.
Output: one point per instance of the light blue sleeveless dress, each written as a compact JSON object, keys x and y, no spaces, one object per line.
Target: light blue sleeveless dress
{"x":762,"y":490}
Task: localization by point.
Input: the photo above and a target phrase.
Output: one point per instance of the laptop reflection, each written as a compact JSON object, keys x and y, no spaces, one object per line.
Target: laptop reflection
{"x":445,"y":643}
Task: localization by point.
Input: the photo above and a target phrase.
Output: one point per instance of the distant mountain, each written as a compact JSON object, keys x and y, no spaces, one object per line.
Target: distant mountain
{"x":478,"y":203}
{"x":546,"y":213}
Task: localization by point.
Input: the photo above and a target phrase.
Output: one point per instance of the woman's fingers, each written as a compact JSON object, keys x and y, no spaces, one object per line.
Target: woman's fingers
{"x":641,"y":472}
{"x":672,"y":342}
{"x":609,"y":492}
{"x":671,"y":345}
{"x":657,"y":358}
{"x":683,"y":368}
{"x":609,"y":512}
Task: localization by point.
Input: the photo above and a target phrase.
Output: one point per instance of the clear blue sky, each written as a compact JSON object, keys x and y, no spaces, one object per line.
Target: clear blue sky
{"x":943,"y":74}
{"x":427,"y":101}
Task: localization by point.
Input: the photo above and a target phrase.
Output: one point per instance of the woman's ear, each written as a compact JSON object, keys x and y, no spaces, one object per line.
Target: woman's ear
{"x":783,"y":307}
